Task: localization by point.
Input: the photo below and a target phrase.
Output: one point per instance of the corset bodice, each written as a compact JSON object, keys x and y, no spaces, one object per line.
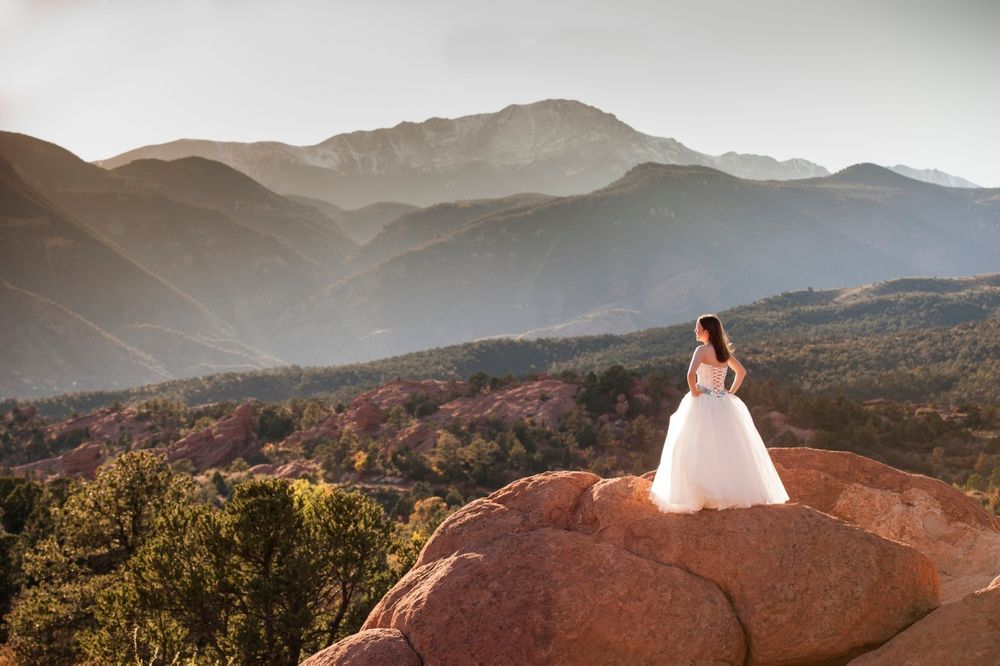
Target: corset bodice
{"x":712,"y":378}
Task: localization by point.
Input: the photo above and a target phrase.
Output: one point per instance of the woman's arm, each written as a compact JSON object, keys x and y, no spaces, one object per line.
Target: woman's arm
{"x":740,"y":371}
{"x":692,"y":375}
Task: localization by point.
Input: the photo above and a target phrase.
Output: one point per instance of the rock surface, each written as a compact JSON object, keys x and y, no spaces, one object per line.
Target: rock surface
{"x":966,"y":632}
{"x":952,"y":529}
{"x":81,"y":461}
{"x":554,"y":596}
{"x":296,"y":469}
{"x":545,"y":401}
{"x":108,"y":425}
{"x":415,"y":437}
{"x":231,"y":438}
{"x":368,"y":411}
{"x":367,"y":648}
{"x":398,"y":391}
{"x":586,"y":570}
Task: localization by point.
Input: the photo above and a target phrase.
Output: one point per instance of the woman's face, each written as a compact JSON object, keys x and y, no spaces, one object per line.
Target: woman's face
{"x":700,"y":332}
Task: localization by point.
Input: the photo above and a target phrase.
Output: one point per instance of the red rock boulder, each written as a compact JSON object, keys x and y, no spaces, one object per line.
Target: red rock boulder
{"x":554,"y":596}
{"x":81,"y":461}
{"x":966,"y":632}
{"x":567,"y":567}
{"x":329,"y":429}
{"x":231,"y":438}
{"x":416,"y":437}
{"x":959,"y":536}
{"x":368,"y":648}
{"x":364,"y":415}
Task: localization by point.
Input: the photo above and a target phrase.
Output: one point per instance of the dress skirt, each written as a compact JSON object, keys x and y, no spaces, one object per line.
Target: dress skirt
{"x":713,"y":457}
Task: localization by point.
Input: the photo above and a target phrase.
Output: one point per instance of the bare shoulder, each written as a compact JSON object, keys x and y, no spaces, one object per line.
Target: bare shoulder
{"x":709,"y":356}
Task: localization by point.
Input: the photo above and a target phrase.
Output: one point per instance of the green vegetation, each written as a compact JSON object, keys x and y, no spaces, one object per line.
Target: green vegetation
{"x":137,"y":565}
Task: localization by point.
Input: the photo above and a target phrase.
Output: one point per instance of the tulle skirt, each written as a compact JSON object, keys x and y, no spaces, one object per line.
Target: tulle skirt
{"x":713,"y":457}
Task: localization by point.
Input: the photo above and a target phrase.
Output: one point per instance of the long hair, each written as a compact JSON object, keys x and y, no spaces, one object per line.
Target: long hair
{"x":716,"y":336}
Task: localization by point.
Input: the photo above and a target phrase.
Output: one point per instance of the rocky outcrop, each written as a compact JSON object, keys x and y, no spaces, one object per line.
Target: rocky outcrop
{"x":415,"y":437}
{"x":574,"y":568}
{"x":399,"y":391}
{"x":217,"y":446}
{"x":296,"y":469}
{"x":546,"y":402}
{"x":330,"y":428}
{"x":364,"y":415}
{"x":368,"y":648}
{"x":952,"y":529}
{"x":556,"y":596}
{"x":81,"y":461}
{"x":966,"y":632}
{"x":231,"y":438}
{"x":368,"y":411}
{"x":109,"y":425}
{"x":102,"y":432}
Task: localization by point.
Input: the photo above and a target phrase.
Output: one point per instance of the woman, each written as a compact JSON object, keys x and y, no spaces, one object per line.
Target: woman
{"x":713,"y":456}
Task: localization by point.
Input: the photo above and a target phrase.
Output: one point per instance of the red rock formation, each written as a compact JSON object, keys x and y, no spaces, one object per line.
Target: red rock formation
{"x":296,"y":469}
{"x":330,"y":428}
{"x":82,"y":461}
{"x":399,"y":391}
{"x":573,"y":568}
{"x":546,"y":402}
{"x":966,"y":632}
{"x":231,"y":438}
{"x":108,"y":425}
{"x":417,"y":436}
{"x":952,"y":529}
{"x":364,"y":415}
{"x":371,"y":647}
{"x":555,"y":596}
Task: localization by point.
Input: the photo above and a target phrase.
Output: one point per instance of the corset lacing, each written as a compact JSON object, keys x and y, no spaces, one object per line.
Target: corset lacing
{"x":717,"y":389}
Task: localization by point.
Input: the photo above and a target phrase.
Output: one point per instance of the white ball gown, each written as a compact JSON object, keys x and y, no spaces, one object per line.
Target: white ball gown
{"x":713,"y":456}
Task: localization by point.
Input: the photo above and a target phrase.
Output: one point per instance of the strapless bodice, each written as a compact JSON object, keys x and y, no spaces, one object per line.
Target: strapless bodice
{"x":712,"y":378}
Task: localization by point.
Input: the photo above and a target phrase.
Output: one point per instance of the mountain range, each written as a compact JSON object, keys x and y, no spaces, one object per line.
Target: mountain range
{"x":175,"y":268}
{"x":555,"y":146}
{"x":661,"y":244}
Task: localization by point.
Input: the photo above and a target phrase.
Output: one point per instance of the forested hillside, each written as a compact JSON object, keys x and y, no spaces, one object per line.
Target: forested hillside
{"x":912,"y":339}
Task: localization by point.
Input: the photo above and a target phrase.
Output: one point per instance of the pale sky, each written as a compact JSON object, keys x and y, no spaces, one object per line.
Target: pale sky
{"x":836,"y":82}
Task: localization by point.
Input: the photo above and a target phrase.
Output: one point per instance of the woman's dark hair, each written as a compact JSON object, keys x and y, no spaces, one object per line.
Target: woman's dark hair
{"x":716,"y":336}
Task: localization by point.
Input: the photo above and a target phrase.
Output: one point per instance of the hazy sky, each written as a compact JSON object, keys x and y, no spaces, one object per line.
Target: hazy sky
{"x":835,"y":82}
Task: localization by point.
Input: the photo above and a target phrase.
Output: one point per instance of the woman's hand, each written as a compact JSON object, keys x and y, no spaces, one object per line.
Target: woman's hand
{"x":695,"y":392}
